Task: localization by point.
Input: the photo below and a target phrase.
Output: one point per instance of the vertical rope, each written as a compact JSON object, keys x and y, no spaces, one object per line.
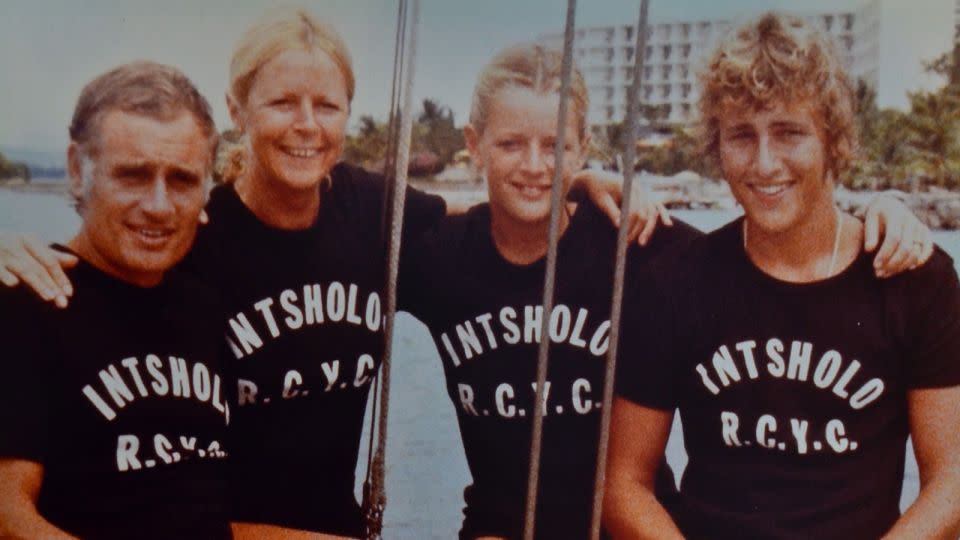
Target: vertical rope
{"x":536,"y":437}
{"x":629,"y":135}
{"x":400,"y":158}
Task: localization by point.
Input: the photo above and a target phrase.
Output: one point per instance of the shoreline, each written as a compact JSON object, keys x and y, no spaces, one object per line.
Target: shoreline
{"x":938,"y":209}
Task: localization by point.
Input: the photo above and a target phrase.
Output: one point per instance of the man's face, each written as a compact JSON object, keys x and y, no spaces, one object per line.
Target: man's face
{"x":775,"y":160}
{"x":141,"y":207}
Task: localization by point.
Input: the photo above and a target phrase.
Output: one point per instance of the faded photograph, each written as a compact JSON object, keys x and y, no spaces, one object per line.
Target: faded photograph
{"x":362,"y":269}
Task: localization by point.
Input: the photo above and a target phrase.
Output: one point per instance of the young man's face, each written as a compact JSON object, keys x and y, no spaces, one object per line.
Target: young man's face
{"x":775,"y":161}
{"x":141,"y":207}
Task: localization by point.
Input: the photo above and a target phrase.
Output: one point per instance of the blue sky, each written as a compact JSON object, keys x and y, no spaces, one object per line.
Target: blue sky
{"x":50,"y":48}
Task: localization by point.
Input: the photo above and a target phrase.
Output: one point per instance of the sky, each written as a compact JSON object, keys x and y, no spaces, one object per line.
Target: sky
{"x":50,"y":48}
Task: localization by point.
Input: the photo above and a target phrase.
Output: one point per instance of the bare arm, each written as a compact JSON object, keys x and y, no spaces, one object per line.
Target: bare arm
{"x":935,"y":428}
{"x":20,"y":482}
{"x":638,"y":437}
{"x":260,"y":531}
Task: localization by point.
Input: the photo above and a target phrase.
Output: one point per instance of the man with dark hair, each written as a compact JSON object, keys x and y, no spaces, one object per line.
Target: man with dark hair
{"x":113,"y":411}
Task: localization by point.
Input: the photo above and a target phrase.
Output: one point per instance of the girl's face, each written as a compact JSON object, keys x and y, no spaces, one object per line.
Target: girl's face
{"x":295,"y":118}
{"x":515,"y":151}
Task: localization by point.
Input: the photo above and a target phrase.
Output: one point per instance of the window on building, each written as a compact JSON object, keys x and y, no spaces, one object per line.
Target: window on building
{"x":609,"y":113}
{"x":848,"y":42}
{"x":609,"y":92}
{"x":685,"y":30}
{"x":608,"y":36}
{"x":628,"y":31}
{"x":685,"y":90}
{"x":628,"y":73}
{"x":703,"y":28}
{"x":685,"y":50}
{"x":609,"y":55}
{"x":848,"y":22}
{"x":684,"y":72}
{"x":664,"y":91}
{"x":665,"y":71}
{"x":647,"y":72}
{"x":667,"y":49}
{"x":628,"y":54}
{"x":685,"y":110}
{"x":663,"y":32}
{"x":608,"y":74}
{"x":647,"y":52}
{"x":828,"y":22}
{"x":647,"y":92}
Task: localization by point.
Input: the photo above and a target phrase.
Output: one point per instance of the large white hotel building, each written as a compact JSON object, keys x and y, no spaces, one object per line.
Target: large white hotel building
{"x":674,"y":50}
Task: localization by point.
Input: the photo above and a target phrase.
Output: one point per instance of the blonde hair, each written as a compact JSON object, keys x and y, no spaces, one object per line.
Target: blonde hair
{"x":280,"y":31}
{"x":527,"y":66}
{"x":773,"y":59}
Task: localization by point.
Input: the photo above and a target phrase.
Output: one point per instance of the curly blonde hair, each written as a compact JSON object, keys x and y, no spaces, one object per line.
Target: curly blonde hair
{"x":772,"y":59}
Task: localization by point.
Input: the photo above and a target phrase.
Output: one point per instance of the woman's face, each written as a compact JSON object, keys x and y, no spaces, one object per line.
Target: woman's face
{"x":295,"y":118}
{"x":775,"y":161}
{"x":515,"y":151}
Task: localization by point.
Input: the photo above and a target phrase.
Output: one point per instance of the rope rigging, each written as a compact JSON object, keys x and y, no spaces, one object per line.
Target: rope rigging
{"x":398,"y":157}
{"x":629,"y":163}
{"x":543,"y":351}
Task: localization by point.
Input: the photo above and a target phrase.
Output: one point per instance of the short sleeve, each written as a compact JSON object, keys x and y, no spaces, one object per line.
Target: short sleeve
{"x":930,"y":323}
{"x":24,"y":400}
{"x":422,"y":211}
{"x":645,"y":359}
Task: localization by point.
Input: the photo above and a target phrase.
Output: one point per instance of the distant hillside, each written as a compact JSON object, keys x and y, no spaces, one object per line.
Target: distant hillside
{"x":44,"y":164}
{"x":37,"y":159}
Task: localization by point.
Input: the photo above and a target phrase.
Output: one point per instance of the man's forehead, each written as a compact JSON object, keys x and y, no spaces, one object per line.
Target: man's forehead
{"x":137,"y":140}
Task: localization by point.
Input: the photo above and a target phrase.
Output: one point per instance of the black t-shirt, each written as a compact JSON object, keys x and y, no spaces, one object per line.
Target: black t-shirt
{"x":792,"y":396}
{"x":121,"y":399}
{"x":484,"y":314}
{"x":305,"y":323}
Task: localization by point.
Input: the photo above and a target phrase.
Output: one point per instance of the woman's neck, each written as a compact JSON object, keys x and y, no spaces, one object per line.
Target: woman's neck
{"x":819,"y":248}
{"x":278,"y":205}
{"x":523,"y":242}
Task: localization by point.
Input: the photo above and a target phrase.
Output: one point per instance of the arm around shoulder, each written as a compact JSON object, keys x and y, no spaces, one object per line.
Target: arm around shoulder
{"x":20,"y":482}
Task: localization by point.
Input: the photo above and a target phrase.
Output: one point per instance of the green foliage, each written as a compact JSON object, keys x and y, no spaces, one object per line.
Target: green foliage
{"x":681,"y":153}
{"x":910,"y":150}
{"x":433,"y":131}
{"x":13,"y":169}
{"x":368,"y":146}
